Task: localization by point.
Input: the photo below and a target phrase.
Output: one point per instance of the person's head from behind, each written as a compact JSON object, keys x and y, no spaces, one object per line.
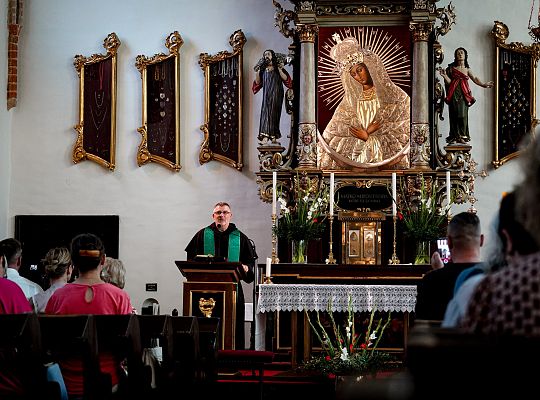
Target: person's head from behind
{"x":515,"y":240}
{"x":87,"y":252}
{"x":528,"y":192}
{"x":464,"y":235}
{"x":12,"y":250}
{"x":113,"y":272}
{"x":222,"y":215}
{"x":57,"y":264}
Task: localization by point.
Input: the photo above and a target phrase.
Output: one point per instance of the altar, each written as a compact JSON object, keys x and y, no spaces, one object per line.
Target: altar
{"x":309,"y":287}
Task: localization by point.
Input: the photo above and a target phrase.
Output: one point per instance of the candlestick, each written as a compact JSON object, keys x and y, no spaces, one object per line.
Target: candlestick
{"x":268,"y":266}
{"x":394,"y":260}
{"x":275,"y":259}
{"x":448,"y":190}
{"x":394,"y":195}
{"x":274,"y":192}
{"x":330,"y":259}
{"x":331,"y":193}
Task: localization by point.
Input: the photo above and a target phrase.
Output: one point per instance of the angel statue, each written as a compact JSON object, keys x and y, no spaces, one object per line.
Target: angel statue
{"x":370,"y":127}
{"x":459,"y":96}
{"x":271,"y":77}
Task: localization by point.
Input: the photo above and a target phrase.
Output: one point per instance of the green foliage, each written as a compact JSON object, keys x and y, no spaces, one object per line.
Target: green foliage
{"x":348,"y":352}
{"x":303,"y":218}
{"x":423,"y":219}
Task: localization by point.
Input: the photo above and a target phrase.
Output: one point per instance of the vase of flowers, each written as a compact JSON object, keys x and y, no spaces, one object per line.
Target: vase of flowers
{"x":299,"y":251}
{"x":349,"y":352}
{"x":423,"y":219}
{"x":302,"y":218}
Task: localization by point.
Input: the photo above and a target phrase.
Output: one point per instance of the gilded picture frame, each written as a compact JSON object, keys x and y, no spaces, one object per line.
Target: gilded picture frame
{"x":223,"y":88}
{"x":160,"y":130}
{"x":96,"y":130}
{"x":515,"y":94}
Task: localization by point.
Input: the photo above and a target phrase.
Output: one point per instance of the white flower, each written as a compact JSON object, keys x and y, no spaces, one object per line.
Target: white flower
{"x":344,"y":355}
{"x":373,"y":336}
{"x":348,"y":330}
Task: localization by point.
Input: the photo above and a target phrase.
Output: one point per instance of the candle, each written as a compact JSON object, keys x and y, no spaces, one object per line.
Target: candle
{"x":448,"y":190}
{"x":331,"y":193}
{"x":274,"y":193}
{"x":394,"y":195}
{"x":268,"y":266}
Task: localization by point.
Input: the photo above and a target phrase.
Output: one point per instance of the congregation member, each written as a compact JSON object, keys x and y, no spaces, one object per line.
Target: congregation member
{"x":58,"y":269}
{"x":436,"y":288}
{"x":12,"y":250}
{"x":222,"y":239}
{"x":506,"y":302}
{"x":12,"y":298}
{"x":114,"y":272}
{"x":512,"y":240}
{"x":88,"y":294}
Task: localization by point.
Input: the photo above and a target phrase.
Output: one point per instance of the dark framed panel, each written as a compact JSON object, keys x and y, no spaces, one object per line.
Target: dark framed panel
{"x":40,"y":233}
{"x":96,"y":130}
{"x":222,"y":128}
{"x":160,"y":128}
{"x":515,"y":102}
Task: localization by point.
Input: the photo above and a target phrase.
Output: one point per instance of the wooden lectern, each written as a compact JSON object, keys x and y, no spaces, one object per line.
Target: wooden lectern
{"x":211,"y":290}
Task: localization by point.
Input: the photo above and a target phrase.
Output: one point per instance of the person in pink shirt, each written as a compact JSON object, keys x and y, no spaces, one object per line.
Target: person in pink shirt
{"x":12,"y":298}
{"x":88,"y":294}
{"x":12,"y":301}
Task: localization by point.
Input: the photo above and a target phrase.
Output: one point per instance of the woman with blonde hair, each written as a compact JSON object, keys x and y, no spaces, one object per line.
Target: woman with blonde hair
{"x":58,"y":268}
{"x":114,"y":272}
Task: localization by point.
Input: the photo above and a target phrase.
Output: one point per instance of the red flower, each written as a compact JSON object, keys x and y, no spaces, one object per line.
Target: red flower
{"x":327,"y":358}
{"x":351,"y":347}
{"x":363,"y":346}
{"x":315,"y":220}
{"x":400,"y":216}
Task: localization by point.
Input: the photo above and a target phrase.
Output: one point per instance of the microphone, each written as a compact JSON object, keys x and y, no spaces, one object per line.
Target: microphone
{"x":255,"y":256}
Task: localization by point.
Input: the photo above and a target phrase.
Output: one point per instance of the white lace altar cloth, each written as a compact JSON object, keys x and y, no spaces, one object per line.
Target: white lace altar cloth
{"x":287,"y":297}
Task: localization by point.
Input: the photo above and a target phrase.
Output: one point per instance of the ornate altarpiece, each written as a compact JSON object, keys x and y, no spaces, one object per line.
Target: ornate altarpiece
{"x":405,"y":34}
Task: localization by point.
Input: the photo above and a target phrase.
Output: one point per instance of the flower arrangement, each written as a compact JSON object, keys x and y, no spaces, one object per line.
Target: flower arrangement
{"x":423,"y":219}
{"x":349,"y":352}
{"x":302,"y":218}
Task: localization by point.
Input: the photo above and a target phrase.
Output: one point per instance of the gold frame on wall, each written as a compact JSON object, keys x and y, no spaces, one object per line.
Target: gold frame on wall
{"x":221,"y":71}
{"x":160,"y":128}
{"x":515,"y":95}
{"x":98,"y":141}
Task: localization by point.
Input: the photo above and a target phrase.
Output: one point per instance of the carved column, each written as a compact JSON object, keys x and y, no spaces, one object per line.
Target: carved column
{"x":420,"y":137}
{"x":307,"y":127}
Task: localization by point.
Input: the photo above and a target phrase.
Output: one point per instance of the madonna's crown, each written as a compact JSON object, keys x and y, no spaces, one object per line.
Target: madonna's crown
{"x":346,"y":53}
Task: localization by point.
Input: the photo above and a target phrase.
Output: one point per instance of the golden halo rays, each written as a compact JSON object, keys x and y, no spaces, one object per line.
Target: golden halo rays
{"x":390,"y":51}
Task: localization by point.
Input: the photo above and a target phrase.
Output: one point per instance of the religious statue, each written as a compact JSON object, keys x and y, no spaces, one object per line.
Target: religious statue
{"x":459,"y":96}
{"x":271,"y":77}
{"x":370,"y":127}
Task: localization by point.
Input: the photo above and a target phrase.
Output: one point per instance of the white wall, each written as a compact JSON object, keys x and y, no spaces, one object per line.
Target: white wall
{"x":160,"y":210}
{"x":5,"y":128}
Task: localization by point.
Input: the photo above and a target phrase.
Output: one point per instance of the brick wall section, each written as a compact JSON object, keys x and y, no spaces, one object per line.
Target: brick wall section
{"x":14,"y":29}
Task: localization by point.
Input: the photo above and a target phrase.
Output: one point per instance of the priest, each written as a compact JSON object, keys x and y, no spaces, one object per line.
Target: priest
{"x":223,"y":240}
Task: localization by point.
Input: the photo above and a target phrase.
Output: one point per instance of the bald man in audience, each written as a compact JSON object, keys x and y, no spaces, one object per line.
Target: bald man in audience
{"x":436,"y":288}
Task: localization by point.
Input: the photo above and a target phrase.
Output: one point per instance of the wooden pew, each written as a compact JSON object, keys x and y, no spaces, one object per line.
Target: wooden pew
{"x":22,"y":371}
